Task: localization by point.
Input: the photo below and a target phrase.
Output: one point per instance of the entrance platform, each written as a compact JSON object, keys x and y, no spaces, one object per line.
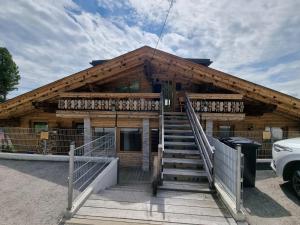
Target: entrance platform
{"x":131,"y":202}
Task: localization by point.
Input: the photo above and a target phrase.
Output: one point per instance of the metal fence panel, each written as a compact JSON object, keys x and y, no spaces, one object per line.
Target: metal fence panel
{"x":228,"y":166}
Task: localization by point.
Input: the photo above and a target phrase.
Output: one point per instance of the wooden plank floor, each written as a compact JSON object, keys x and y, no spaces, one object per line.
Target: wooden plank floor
{"x":131,"y":202}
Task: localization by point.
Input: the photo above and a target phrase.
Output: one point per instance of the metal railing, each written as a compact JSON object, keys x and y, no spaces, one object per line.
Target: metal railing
{"x":86,"y":163}
{"x":228,"y":170}
{"x":29,"y":140}
{"x":157,"y":163}
{"x":206,"y":150}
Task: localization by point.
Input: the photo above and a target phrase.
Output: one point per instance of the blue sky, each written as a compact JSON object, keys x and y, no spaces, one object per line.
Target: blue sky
{"x":257,"y":40}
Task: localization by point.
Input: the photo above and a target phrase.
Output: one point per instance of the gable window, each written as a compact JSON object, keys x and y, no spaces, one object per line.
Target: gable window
{"x":131,"y":139}
{"x":131,"y":86}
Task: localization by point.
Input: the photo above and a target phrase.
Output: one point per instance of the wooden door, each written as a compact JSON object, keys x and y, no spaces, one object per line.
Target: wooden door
{"x":168,"y":93}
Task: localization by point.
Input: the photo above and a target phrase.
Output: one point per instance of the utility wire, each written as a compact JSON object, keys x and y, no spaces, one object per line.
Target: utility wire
{"x":162,"y":29}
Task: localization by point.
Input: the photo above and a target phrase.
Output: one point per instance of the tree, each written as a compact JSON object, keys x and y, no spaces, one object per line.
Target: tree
{"x":9,"y":74}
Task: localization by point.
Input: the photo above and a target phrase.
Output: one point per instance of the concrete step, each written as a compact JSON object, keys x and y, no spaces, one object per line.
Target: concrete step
{"x":182,"y":161}
{"x":174,"y":143}
{"x":202,"y":187}
{"x":181,"y":151}
{"x":178,"y":137}
{"x":183,"y":172}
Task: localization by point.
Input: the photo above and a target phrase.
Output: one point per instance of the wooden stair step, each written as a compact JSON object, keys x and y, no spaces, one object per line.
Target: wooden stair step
{"x":175,"y":113}
{"x":175,"y":143}
{"x":184,"y":172}
{"x":181,"y":151}
{"x":186,"y":186}
{"x":175,"y":121}
{"x":178,"y":131}
{"x":177,"y":125}
{"x":182,"y":161}
{"x":179,"y":136}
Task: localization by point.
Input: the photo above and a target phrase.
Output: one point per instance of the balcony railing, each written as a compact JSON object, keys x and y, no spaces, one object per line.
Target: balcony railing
{"x":217,"y":103}
{"x":110,"y":101}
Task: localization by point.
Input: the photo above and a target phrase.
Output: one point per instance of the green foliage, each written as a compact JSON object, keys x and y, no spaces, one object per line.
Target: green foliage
{"x":9,"y":74}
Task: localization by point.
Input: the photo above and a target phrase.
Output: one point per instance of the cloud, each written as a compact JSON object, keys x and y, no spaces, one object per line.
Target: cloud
{"x":50,"y":39}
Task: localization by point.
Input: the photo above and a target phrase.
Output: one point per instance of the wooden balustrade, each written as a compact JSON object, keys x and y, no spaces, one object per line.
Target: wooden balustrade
{"x":214,"y":106}
{"x":111,"y":102}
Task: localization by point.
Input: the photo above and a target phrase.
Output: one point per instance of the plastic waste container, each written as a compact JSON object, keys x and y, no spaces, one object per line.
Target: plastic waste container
{"x":249,"y":149}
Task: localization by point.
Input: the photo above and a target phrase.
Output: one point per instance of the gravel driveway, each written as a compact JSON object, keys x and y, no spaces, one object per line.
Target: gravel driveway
{"x":32,"y":192}
{"x":272,"y":202}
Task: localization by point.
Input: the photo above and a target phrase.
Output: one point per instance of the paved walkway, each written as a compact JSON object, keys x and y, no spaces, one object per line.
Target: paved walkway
{"x":132,"y":203}
{"x":31,"y":192}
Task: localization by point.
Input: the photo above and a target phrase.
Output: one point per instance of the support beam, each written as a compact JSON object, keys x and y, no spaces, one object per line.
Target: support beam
{"x":87,"y":130}
{"x":209,"y":127}
{"x":146,"y":145}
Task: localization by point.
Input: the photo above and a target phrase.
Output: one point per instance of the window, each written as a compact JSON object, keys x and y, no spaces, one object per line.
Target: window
{"x":98,"y":132}
{"x":79,"y":128}
{"x":40,"y":126}
{"x":154,"y":140}
{"x":130,"y":87}
{"x":131,"y":139}
{"x":225,"y":131}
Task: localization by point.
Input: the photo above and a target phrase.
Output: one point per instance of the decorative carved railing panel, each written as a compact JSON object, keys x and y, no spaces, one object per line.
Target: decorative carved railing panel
{"x":128,"y":104}
{"x":214,"y":106}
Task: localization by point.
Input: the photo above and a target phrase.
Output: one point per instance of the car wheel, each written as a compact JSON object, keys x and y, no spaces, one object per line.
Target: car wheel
{"x":296,"y":181}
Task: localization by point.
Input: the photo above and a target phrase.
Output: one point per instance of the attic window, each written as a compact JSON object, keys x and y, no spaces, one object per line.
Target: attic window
{"x":131,"y":87}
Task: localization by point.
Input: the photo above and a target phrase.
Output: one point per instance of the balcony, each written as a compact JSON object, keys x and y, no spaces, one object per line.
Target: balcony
{"x":139,"y":102}
{"x":217,"y":103}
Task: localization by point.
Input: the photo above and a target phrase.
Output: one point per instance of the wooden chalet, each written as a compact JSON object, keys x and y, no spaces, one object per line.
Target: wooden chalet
{"x":122,"y":95}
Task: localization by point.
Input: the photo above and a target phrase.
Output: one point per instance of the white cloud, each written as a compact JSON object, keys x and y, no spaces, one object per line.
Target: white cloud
{"x":50,"y":39}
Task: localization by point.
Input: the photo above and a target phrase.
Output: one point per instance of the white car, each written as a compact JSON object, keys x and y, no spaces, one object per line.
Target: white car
{"x":286,"y":161}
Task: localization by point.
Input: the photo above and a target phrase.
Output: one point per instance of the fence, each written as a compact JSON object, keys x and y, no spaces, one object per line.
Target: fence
{"x":228,"y":167}
{"x":28,"y":140}
{"x":265,"y":151}
{"x":87,"y":162}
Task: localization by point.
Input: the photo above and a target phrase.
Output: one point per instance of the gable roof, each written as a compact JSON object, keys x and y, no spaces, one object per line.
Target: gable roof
{"x":120,"y":65}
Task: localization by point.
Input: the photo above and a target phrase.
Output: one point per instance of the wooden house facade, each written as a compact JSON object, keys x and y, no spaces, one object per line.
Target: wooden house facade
{"x":122,"y":95}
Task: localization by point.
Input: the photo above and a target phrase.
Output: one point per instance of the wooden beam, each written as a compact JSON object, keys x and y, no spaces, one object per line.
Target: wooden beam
{"x":223,"y":116}
{"x":107,"y":95}
{"x":105,"y":114}
{"x":215,"y":96}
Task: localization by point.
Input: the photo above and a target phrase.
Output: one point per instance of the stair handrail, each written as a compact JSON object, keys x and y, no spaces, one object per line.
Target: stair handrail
{"x":157,"y":163}
{"x":206,"y":150}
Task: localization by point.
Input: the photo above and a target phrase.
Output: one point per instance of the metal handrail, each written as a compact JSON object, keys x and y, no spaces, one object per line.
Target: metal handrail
{"x":206,"y":150}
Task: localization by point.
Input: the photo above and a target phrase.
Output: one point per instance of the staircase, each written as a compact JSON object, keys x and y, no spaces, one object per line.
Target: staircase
{"x":182,"y":166}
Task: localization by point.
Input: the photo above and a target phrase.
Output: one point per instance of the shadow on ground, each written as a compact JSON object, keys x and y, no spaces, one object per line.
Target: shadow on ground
{"x":262,"y":205}
{"x":288,"y":190}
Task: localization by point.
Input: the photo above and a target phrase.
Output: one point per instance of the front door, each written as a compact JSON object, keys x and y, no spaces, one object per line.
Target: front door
{"x":168,"y":93}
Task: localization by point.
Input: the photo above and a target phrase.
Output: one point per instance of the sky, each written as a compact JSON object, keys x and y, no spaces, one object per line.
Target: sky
{"x":257,"y":40}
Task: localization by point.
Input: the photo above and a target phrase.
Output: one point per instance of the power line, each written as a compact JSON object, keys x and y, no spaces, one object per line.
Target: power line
{"x":162,"y":29}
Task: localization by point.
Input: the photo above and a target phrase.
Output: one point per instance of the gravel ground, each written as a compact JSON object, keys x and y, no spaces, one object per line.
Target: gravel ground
{"x":32,"y":192}
{"x":272,"y":202}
